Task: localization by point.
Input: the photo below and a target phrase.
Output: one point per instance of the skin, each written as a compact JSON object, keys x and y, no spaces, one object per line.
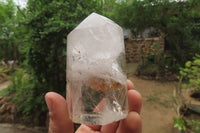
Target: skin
{"x":60,"y":122}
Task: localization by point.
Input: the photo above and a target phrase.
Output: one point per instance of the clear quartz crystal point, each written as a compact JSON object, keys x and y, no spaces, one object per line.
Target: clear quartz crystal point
{"x":96,"y":80}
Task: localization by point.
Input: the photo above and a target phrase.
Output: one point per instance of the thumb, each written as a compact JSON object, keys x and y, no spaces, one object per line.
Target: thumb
{"x":58,"y":114}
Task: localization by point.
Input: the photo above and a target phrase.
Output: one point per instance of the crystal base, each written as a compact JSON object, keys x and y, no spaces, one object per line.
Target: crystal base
{"x":97,"y":119}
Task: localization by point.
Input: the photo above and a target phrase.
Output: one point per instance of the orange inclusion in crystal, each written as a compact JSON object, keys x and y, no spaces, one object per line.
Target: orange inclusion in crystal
{"x":103,"y":85}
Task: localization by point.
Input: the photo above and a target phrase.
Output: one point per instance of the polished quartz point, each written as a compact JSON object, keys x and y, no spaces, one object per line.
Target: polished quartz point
{"x":96,"y":80}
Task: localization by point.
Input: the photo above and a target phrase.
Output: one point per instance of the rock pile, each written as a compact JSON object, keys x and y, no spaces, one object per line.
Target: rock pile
{"x":138,"y":49}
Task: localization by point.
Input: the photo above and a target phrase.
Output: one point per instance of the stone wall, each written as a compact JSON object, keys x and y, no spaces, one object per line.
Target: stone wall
{"x":136,"y":49}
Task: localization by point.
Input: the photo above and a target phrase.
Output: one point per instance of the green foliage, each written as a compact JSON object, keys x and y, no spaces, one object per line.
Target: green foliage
{"x":157,"y":63}
{"x":7,"y":71}
{"x":148,"y":69}
{"x":47,"y":37}
{"x":7,"y":26}
{"x":191,"y":72}
{"x":27,"y":101}
{"x":36,"y":36}
{"x":108,"y":6}
{"x":179,"y":21}
{"x":40,"y":36}
{"x":179,"y":123}
{"x":195,"y":125}
{"x":128,"y":73}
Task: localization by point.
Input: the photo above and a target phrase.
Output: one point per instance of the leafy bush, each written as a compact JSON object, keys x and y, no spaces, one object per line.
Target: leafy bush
{"x":179,"y":123}
{"x":45,"y":25}
{"x":182,"y":125}
{"x":28,"y":100}
{"x":156,"y":63}
{"x":195,"y":125}
{"x":47,"y":37}
{"x":148,"y":69}
{"x":191,"y":72}
{"x":7,"y":45}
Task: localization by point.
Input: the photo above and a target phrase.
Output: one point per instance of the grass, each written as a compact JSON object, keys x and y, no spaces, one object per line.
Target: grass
{"x":3,"y":92}
{"x":158,"y":97}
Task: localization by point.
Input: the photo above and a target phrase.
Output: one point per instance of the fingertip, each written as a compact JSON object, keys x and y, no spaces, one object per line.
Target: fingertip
{"x":133,"y":120}
{"x":94,"y":127}
{"x":133,"y":123}
{"x":86,"y":129}
{"x":49,"y":102}
{"x":83,"y":129}
{"x":53,"y":95}
{"x":130,"y":85}
{"x":110,"y":128}
{"x":47,"y":96}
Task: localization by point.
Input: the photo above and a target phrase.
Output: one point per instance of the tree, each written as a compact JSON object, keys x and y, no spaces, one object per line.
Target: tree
{"x":46,"y":24}
{"x":47,"y":38}
{"x":179,"y":21}
{"x":7,"y":26}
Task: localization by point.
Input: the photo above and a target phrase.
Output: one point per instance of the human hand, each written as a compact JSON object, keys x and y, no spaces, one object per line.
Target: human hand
{"x":60,"y":122}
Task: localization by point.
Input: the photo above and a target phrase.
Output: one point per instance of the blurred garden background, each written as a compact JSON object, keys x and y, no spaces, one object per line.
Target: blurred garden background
{"x":162,"y":41}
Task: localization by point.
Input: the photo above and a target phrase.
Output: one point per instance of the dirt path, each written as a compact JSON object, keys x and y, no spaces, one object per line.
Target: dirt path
{"x":157,"y":111}
{"x":9,"y":128}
